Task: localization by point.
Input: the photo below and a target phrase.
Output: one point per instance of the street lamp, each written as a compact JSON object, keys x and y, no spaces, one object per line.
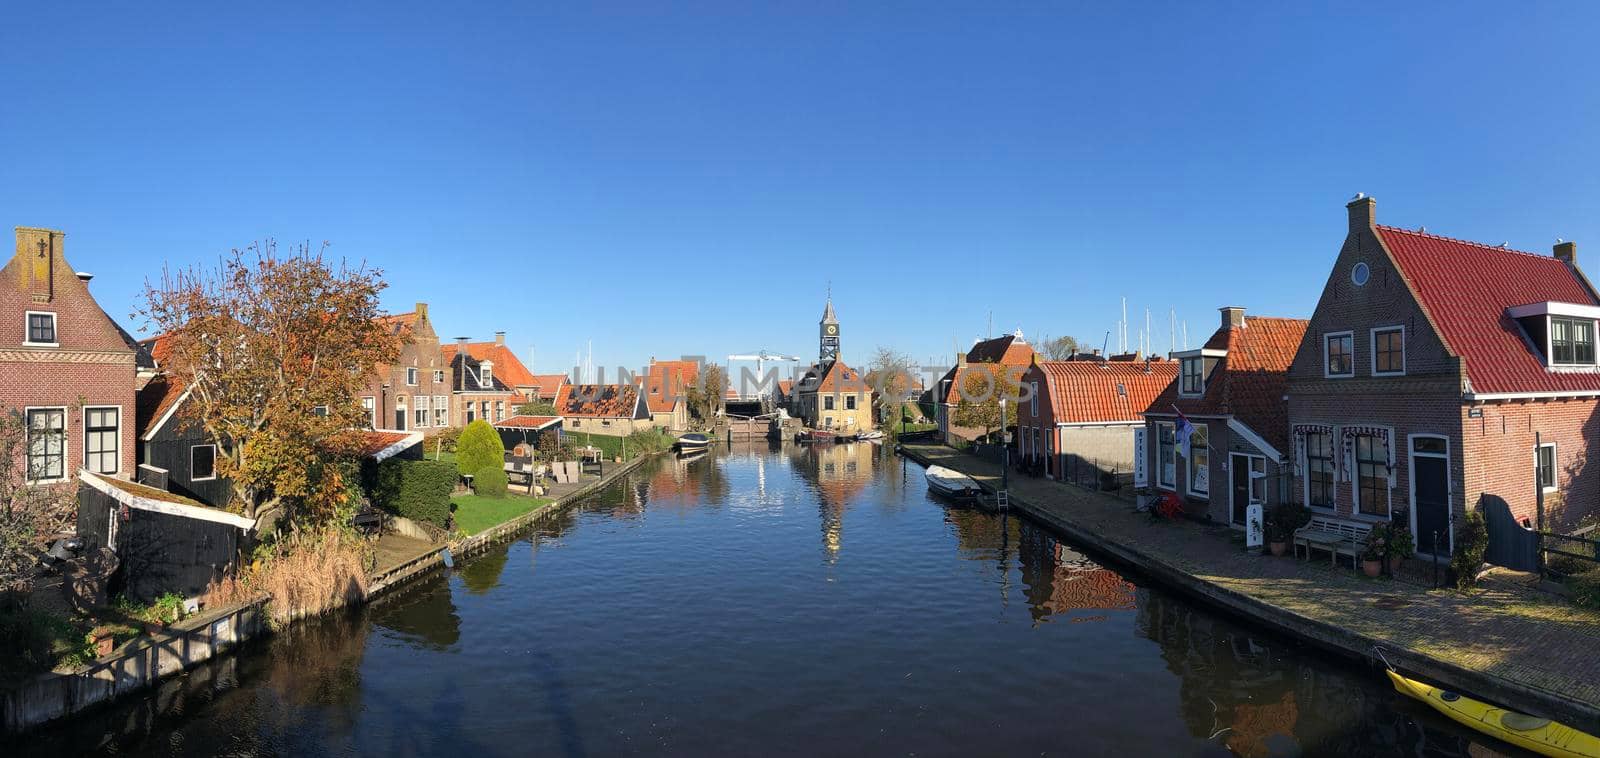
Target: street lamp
{"x":1005,"y":448}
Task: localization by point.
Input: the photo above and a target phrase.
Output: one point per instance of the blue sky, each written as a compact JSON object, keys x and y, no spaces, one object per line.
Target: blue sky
{"x":690,"y":179}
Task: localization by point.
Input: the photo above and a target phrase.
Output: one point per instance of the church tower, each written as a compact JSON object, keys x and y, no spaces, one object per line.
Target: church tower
{"x":829,"y":329}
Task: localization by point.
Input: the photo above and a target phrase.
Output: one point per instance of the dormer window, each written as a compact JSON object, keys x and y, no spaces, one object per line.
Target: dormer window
{"x":1192,"y":376}
{"x":486,"y":375}
{"x":1571,"y":341}
{"x":41,"y":328}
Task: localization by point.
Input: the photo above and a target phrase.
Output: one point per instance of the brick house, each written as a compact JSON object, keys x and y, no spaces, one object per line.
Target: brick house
{"x":414,"y":393}
{"x":1431,"y":367}
{"x":66,"y":367}
{"x":666,"y":390}
{"x":1231,"y":390}
{"x":508,"y":371}
{"x":1077,"y":419}
{"x":477,"y":390}
{"x":830,"y":394}
{"x":1002,"y":356}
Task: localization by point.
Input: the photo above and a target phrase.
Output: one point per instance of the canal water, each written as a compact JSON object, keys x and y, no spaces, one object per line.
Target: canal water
{"x":772,"y":602}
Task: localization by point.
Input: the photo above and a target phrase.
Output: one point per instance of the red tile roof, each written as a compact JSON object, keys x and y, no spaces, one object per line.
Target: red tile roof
{"x":527,"y":422}
{"x":598,"y":400}
{"x":1009,"y":350}
{"x":507,"y":369}
{"x":667,"y":383}
{"x":842,"y":378}
{"x":548,"y":384}
{"x":398,"y":323}
{"x":154,"y":400}
{"x":1466,"y":287}
{"x":1248,"y":383}
{"x":382,"y":443}
{"x":1087,"y":392}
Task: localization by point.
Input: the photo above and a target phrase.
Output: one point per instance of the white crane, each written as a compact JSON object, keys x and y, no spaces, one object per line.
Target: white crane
{"x":761,"y":358}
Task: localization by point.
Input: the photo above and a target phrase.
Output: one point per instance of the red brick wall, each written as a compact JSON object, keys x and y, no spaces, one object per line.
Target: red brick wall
{"x":1500,"y":456}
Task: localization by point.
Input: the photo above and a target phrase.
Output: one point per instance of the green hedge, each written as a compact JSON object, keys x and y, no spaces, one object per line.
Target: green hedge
{"x":479,"y":448}
{"x":417,"y":490}
{"x":490,"y":481}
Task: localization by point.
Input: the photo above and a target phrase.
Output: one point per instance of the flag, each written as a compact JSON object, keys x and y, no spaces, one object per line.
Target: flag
{"x":1185,"y":430}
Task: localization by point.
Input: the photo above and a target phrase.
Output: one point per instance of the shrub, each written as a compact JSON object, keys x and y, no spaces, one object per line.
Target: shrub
{"x":650,"y":441}
{"x":1585,"y":588}
{"x":490,"y":481}
{"x":537,"y":409}
{"x":417,"y":490}
{"x":1472,"y":539}
{"x":479,"y":448}
{"x":28,"y":641}
{"x":1284,"y":519}
{"x":310,"y":573}
{"x":443,"y":440}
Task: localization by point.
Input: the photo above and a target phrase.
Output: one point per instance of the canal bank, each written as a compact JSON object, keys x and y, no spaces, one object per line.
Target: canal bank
{"x":153,"y":657}
{"x":1496,"y":643}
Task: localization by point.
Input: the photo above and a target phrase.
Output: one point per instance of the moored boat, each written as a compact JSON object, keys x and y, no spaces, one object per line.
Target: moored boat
{"x":951,"y":483}
{"x":692,"y":442}
{"x":871,"y":435}
{"x":1541,"y":735}
{"x":818,"y":435}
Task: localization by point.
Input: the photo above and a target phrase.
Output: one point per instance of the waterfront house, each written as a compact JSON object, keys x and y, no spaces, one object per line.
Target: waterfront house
{"x":1077,"y":419}
{"x":1439,"y":375}
{"x":415,"y":391}
{"x":1231,"y":391}
{"x":1004,"y":358}
{"x":508,"y":371}
{"x":615,"y":410}
{"x":831,"y":395}
{"x":478,"y":391}
{"x":66,"y":368}
{"x":666,"y":386}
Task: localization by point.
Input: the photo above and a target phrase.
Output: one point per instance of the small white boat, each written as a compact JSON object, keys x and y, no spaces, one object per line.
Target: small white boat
{"x":872,"y":435}
{"x":692,"y":442}
{"x":951,"y":483}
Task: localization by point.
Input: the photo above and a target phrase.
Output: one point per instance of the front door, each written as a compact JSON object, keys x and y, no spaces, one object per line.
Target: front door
{"x":1239,"y":477}
{"x":1431,"y":503}
{"x":400,"y":418}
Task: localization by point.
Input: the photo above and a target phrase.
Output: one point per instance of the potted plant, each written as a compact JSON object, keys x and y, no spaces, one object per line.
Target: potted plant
{"x":1372,"y":552}
{"x":103,"y":640}
{"x":1401,"y":546}
{"x":1282,"y":522}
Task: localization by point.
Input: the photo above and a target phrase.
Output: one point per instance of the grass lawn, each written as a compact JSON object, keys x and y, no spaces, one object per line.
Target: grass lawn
{"x":475,"y":514}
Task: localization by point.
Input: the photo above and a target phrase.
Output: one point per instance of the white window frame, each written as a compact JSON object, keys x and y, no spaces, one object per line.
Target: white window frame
{"x":849,"y":402}
{"x":84,"y":419}
{"x":1161,"y":468}
{"x":213,"y":476}
{"x":1355,"y":477}
{"x":55,"y":329}
{"x":441,"y":411}
{"x":66,"y":443}
{"x":1372,"y":339}
{"x":1555,"y":469}
{"x":1201,"y":376}
{"x":1328,"y":336}
{"x":412,"y":376}
{"x":1550,"y":341}
{"x":1305,"y":472}
{"x":370,"y":405}
{"x":1188,"y":463}
{"x":499,"y":410}
{"x":438,"y":375}
{"x":486,"y":376}
{"x":421,"y":411}
{"x":1449,"y":484}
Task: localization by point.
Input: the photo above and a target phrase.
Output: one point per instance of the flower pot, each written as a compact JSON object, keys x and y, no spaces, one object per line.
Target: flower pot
{"x":104,"y":645}
{"x":1396,"y":562}
{"x":1278,"y":548}
{"x":1372,"y":568}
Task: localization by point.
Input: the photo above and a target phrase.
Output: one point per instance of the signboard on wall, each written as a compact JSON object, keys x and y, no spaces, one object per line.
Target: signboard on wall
{"x":1141,"y":474}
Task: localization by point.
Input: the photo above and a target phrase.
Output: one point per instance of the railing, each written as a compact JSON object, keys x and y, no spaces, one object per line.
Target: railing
{"x":1567,"y":546}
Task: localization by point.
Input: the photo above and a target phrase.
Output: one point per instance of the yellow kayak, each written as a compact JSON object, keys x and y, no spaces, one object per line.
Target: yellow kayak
{"x":1540,"y":735}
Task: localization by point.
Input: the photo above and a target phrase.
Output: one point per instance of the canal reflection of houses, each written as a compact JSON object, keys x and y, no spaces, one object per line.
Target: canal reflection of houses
{"x":839,"y":472}
{"x":1060,"y":581}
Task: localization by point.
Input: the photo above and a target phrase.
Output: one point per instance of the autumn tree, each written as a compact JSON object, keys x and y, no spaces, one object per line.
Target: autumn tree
{"x":981,"y":392}
{"x":1059,"y":348}
{"x":27,"y":511}
{"x":273,"y":350}
{"x":891,"y":375}
{"x":709,"y":392}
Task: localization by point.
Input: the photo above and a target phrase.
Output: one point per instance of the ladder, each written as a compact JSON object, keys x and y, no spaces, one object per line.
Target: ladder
{"x":1002,"y":500}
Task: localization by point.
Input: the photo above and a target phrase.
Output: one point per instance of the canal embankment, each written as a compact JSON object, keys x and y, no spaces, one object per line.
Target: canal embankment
{"x":155,"y":656}
{"x":1499,"y":643}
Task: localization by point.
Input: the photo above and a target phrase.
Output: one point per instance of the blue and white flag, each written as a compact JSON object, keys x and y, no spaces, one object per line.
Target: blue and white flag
{"x":1185,"y":430}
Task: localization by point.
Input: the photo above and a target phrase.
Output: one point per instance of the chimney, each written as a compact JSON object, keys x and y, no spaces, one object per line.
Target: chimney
{"x":1361,"y":212}
{"x":961,"y":359}
{"x":41,"y":248}
{"x":461,"y":352}
{"x":1567,"y":252}
{"x":1232,"y":316}
{"x":422,"y":311}
{"x":499,"y":338}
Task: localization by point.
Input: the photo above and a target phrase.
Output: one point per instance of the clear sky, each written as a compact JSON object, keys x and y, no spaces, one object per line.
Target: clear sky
{"x":691,"y":179}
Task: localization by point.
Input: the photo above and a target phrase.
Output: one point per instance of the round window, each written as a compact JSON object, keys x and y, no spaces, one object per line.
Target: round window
{"x":1360,"y":274}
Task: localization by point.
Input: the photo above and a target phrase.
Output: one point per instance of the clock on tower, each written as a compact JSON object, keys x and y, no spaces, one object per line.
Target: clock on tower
{"x":829,"y":327}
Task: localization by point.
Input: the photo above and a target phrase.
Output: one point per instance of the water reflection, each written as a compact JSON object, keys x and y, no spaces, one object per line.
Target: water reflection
{"x":1061,"y":581}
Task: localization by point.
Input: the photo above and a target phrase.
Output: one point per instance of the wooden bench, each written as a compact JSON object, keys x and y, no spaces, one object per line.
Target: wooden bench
{"x":1335,"y":535}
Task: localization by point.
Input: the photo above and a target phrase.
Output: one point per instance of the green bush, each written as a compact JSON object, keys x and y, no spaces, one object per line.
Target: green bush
{"x":417,"y":490}
{"x":650,"y":440}
{"x":443,"y":440}
{"x":1472,"y":540}
{"x":537,"y":409}
{"x":490,"y":481}
{"x":31,"y":641}
{"x":479,"y":448}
